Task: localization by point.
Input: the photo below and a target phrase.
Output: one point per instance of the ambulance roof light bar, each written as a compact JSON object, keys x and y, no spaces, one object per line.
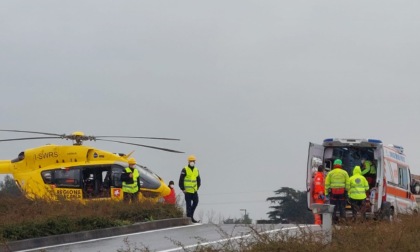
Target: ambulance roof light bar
{"x":400,"y":149}
{"x":376,"y":141}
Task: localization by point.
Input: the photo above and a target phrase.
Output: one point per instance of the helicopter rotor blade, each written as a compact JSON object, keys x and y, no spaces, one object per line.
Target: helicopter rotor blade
{"x":154,"y":138}
{"x":27,"y":138}
{"x":147,"y":146}
{"x":34,"y":132}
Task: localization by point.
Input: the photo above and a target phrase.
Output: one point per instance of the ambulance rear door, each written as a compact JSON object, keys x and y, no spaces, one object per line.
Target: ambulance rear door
{"x":315,"y":158}
{"x":377,"y":197}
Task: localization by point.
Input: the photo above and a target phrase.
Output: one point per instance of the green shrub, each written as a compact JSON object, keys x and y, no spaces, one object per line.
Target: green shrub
{"x":21,"y":218}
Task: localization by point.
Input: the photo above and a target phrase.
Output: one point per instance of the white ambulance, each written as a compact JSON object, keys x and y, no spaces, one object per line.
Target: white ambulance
{"x":390,"y":192}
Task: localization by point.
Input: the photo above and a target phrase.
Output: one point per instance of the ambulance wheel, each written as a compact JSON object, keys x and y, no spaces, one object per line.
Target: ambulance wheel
{"x":391,"y":214}
{"x":387,"y":212}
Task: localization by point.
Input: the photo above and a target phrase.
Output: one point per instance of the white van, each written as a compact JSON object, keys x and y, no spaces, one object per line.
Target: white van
{"x":391,"y":193}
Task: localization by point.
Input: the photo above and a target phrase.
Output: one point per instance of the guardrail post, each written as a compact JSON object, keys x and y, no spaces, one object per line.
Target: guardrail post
{"x":326,"y":210}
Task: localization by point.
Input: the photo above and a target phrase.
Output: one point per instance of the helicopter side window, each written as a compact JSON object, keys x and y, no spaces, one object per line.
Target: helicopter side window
{"x":67,"y":178}
{"x":117,"y":170}
{"x":106,"y":183}
{"x":47,"y":177}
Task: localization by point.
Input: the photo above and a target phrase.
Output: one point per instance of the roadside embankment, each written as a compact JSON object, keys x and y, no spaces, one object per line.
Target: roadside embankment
{"x":92,"y":234}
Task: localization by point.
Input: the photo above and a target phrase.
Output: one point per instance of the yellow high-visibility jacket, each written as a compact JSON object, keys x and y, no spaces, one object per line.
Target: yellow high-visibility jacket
{"x":190,"y":181}
{"x":337,"y":178}
{"x":358,"y":185}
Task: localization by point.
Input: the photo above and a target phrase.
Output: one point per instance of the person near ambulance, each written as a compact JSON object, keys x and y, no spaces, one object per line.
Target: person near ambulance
{"x":368,"y":170}
{"x":357,"y":193}
{"x":337,"y":184}
{"x":171,"y":198}
{"x":318,"y":192}
{"x":189,"y":183}
{"x":130,"y":181}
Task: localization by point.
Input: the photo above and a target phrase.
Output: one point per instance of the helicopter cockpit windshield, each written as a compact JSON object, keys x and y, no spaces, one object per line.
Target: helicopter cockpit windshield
{"x":147,"y":178}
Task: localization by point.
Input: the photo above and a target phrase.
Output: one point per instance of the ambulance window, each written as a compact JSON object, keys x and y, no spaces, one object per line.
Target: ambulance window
{"x":391,"y":172}
{"x":403,"y":177}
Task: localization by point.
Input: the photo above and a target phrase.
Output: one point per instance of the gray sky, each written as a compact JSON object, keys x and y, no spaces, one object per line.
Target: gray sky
{"x":246,"y":85}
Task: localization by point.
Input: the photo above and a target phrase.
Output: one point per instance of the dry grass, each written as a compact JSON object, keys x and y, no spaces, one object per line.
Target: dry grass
{"x":403,"y":234}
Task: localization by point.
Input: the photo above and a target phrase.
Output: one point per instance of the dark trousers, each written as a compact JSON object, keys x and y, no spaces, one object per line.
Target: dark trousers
{"x":191,"y":199}
{"x":339,"y":202}
{"x":133,"y":197}
{"x":358,"y":206}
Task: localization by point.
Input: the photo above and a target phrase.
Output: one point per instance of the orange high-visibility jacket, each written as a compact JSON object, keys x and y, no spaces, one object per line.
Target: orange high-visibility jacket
{"x":319,"y":185}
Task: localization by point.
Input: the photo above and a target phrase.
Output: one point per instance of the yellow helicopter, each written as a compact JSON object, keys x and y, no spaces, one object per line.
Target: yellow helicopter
{"x":78,"y":172}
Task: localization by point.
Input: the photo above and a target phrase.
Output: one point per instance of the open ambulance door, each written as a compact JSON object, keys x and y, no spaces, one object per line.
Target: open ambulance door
{"x":377,"y":195}
{"x":315,"y":158}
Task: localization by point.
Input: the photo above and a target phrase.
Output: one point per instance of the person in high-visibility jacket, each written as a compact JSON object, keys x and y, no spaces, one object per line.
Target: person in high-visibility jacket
{"x":337,"y":183}
{"x":189,"y":183}
{"x":130,"y":181}
{"x":369,"y":171}
{"x":357,"y":193}
{"x":318,"y":192}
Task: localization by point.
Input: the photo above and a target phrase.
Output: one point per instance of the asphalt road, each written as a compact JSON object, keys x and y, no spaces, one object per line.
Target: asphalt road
{"x":174,"y":238}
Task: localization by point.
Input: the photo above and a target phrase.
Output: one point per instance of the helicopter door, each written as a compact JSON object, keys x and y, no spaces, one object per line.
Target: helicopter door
{"x":315,"y":155}
{"x":96,"y":182}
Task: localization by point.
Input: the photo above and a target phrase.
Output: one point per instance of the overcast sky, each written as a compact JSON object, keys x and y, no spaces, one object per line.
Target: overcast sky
{"x":245,"y":85}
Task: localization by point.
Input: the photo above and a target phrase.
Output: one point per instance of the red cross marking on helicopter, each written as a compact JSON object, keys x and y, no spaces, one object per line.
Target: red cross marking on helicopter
{"x":117,"y":192}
